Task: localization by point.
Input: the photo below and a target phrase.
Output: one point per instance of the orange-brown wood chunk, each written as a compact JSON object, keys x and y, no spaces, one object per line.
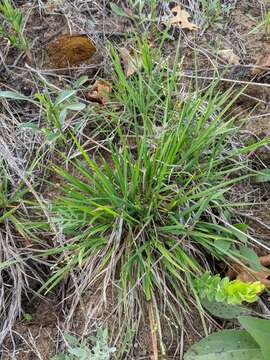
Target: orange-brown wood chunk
{"x":70,"y":50}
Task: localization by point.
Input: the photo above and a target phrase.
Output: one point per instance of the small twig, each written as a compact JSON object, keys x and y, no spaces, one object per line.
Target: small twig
{"x":225,"y":80}
{"x":153,"y":327}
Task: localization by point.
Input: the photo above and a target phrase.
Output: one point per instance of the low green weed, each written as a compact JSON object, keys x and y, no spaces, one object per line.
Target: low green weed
{"x":12,"y":27}
{"x":233,"y":292}
{"x":80,"y":350}
{"x":54,"y":109}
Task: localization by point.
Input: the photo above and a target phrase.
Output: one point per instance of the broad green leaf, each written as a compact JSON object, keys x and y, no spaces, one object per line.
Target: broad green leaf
{"x":80,"y":353}
{"x":259,"y":329}
{"x":223,"y":245}
{"x":239,"y":230}
{"x":63,"y":96}
{"x":51,"y":137}
{"x":30,"y":125}
{"x":251,"y":257}
{"x":71,"y":340}
{"x":61,"y":357}
{"x":117,"y":10}
{"x":223,"y":310}
{"x":78,"y":106}
{"x":82,"y":80}
{"x":226,"y":345}
{"x":263,"y":176}
{"x":13,"y":95}
{"x":74,"y":107}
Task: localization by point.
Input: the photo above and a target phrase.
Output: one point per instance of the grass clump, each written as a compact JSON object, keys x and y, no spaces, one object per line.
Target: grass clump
{"x":149,"y":215}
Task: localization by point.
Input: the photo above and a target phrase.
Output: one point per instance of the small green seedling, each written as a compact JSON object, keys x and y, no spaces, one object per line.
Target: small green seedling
{"x":12,"y":27}
{"x":54,"y":110}
{"x":27,"y":317}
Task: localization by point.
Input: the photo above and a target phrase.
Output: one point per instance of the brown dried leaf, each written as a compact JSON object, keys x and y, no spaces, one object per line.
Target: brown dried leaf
{"x":131,"y":62}
{"x":100,"y":92}
{"x":248,"y":275}
{"x":181,"y":19}
{"x":265,"y":260}
{"x":263,"y":61}
{"x":70,"y":50}
{"x":229,"y":56}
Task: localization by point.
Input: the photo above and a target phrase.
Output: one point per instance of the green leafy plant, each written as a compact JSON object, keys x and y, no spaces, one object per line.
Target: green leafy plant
{"x":55,"y":109}
{"x":12,"y":28}
{"x":225,"y":290}
{"x":79,"y":350}
{"x":249,"y":344}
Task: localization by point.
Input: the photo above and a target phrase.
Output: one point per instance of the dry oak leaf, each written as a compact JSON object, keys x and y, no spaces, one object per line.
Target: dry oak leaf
{"x":99,"y":93}
{"x":181,"y":19}
{"x":70,"y":50}
{"x":262,"y":64}
{"x":229,"y":56}
{"x":131,"y":61}
{"x":248,"y":275}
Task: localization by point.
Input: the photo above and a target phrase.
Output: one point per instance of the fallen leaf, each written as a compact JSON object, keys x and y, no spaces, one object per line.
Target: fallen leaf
{"x":249,"y":275}
{"x":265,"y":260}
{"x":229,"y":56}
{"x":263,"y":61}
{"x":70,"y":50}
{"x":181,"y":19}
{"x":100,"y":92}
{"x":131,"y":61}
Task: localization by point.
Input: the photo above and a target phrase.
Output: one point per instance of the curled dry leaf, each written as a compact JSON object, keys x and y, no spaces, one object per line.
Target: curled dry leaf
{"x":70,"y":50}
{"x":181,"y":19}
{"x":100,"y":92}
{"x":262,"y":64}
{"x":229,"y":56}
{"x":131,"y":61}
{"x":248,"y":275}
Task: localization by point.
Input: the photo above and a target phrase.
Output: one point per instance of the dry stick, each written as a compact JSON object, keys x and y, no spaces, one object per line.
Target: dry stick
{"x":153,"y":328}
{"x":225,"y":80}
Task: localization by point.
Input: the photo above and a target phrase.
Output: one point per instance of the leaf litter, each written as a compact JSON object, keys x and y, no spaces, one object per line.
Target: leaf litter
{"x":99,"y":93}
{"x":131,"y":61}
{"x":229,"y":56}
{"x":181,"y":19}
{"x":262,"y":64}
{"x":246,"y":274}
